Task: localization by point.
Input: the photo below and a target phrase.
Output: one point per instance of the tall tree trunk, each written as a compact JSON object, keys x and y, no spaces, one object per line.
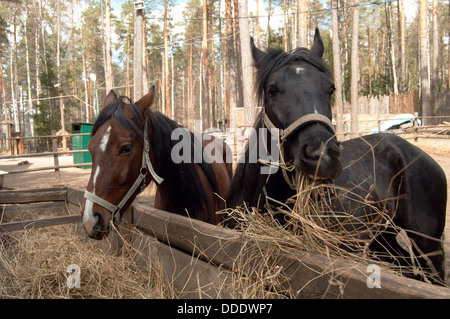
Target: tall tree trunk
{"x":138,"y":43}
{"x":206,"y":108}
{"x":424,"y":72}
{"x":212,"y":77}
{"x":231,"y":62}
{"x":27,"y":59}
{"x":391,"y":47}
{"x":14,"y":111}
{"x":85,"y":79}
{"x":166,"y":61}
{"x":269,"y":11}
{"x":190,"y":88}
{"x":58,"y":67}
{"x":339,"y":103}
{"x":2,"y":86}
{"x":285,"y":33}
{"x":369,"y":56}
{"x":127,"y":80}
{"x":172,"y":72}
{"x":435,"y":78}
{"x":247,"y":64}
{"x":145,"y":73}
{"x":258,"y":27}
{"x":302,"y":17}
{"x":15,"y":80}
{"x":72,"y":52}
{"x":109,"y":80}
{"x":402,"y":53}
{"x":448,"y":53}
{"x":237,"y":50}
{"x":355,"y":77}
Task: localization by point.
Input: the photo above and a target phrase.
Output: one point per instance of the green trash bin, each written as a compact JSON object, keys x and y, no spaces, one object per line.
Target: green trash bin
{"x":81,"y":143}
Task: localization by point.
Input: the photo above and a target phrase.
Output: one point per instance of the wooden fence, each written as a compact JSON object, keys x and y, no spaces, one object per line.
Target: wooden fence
{"x":236,"y":141}
{"x":386,"y":104}
{"x":203,"y":260}
{"x":56,"y":152}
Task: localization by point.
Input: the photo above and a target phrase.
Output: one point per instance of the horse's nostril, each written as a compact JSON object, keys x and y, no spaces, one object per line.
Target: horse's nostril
{"x":100,"y":225}
{"x":314,"y":152}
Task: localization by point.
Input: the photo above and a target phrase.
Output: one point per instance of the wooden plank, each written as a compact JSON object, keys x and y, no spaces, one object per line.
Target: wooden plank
{"x":75,"y":196}
{"x":28,"y":170}
{"x":189,"y":276}
{"x":39,"y":223}
{"x":42,"y":154}
{"x":14,"y":212}
{"x":213,"y":243}
{"x":32,"y":196}
{"x":310,"y":275}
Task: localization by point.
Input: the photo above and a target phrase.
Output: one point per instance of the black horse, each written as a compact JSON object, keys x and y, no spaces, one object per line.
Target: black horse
{"x":295,"y":90}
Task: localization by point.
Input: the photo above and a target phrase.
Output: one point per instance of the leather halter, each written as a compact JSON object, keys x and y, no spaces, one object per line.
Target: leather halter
{"x":146,"y":168}
{"x":302,"y":121}
{"x":284,"y":134}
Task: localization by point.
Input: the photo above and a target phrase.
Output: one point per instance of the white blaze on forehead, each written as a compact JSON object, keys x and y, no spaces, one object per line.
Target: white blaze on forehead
{"x":105,"y":139}
{"x":97,"y":171}
{"x":299,"y":69}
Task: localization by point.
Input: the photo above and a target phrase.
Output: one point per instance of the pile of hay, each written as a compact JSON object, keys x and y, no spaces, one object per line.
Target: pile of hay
{"x":313,"y":221}
{"x":34,"y":264}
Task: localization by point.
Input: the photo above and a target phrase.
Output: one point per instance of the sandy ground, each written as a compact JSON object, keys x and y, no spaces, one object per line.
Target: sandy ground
{"x":76,"y":177}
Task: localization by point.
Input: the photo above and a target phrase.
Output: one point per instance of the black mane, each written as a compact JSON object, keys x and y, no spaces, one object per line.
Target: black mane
{"x":185,"y":186}
{"x":275,"y":59}
{"x":182,"y":183}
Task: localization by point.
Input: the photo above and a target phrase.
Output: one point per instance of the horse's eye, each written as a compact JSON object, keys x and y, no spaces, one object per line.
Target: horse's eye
{"x":125,"y":149}
{"x":332,"y":89}
{"x":273,"y":91}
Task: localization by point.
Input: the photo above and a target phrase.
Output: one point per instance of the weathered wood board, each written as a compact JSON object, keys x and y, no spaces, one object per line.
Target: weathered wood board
{"x":310,"y":275}
{"x":19,"y":209}
{"x":33,"y":196}
{"x":201,"y":260}
{"x":39,"y":223}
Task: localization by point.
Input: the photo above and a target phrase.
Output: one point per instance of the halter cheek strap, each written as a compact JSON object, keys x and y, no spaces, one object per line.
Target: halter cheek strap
{"x":146,"y":168}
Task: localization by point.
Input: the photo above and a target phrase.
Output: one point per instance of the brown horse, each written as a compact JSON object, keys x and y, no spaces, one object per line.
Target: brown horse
{"x":131,"y":146}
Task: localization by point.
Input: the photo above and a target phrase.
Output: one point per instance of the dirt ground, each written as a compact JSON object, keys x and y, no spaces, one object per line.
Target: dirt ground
{"x":76,"y":177}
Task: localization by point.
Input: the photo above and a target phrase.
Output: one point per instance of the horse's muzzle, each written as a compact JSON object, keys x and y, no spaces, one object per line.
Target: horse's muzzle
{"x":94,"y":223}
{"x":317,"y":153}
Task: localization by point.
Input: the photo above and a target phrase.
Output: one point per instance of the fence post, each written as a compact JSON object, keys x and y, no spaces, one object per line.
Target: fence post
{"x":55,"y":157}
{"x":416,"y":127}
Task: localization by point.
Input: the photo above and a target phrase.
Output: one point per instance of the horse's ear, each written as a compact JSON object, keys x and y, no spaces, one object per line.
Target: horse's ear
{"x":317,"y":49}
{"x":147,"y":100}
{"x":257,"y":53}
{"x":111,"y":97}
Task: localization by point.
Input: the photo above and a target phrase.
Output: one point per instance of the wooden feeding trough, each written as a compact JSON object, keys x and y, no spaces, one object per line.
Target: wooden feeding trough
{"x":207,"y":261}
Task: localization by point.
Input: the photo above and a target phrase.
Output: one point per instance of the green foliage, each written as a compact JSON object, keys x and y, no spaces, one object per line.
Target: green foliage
{"x":47,"y":117}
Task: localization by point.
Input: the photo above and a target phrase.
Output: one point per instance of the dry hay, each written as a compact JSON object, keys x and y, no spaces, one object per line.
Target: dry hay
{"x":33,"y":264}
{"x":310,"y":222}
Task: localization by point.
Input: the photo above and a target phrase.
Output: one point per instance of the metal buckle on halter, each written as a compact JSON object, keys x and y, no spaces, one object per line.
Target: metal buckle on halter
{"x":143,"y":172}
{"x":116,"y":215}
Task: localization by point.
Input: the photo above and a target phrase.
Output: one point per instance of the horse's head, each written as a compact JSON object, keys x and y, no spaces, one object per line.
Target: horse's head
{"x":116,"y":147}
{"x":292,"y":86}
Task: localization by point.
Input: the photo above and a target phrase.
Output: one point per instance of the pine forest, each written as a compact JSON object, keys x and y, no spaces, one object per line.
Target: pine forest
{"x":59,"y":58}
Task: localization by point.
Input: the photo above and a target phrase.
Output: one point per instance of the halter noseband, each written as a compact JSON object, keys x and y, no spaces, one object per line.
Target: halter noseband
{"x":302,"y":121}
{"x":146,"y":168}
{"x":284,"y":134}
